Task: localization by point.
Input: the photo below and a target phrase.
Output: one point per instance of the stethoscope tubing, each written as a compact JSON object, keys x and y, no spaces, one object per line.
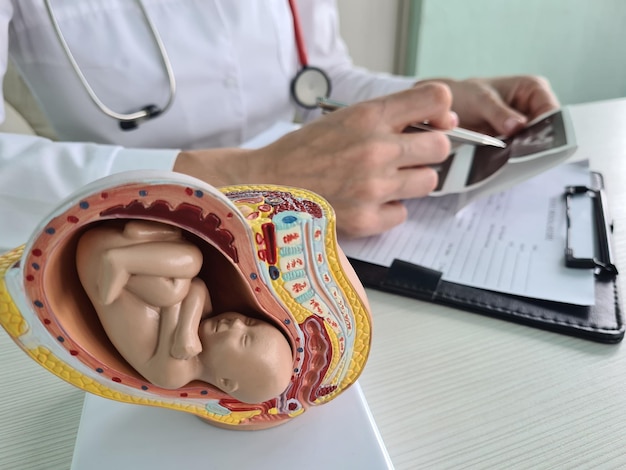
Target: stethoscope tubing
{"x":136,"y":116}
{"x":127,"y":121}
{"x":297,"y":31}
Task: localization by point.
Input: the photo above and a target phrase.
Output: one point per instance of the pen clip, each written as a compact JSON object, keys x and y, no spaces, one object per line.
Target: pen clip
{"x":328,"y":105}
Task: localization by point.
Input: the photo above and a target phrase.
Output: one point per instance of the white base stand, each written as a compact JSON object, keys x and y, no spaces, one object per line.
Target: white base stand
{"x":338,"y":435}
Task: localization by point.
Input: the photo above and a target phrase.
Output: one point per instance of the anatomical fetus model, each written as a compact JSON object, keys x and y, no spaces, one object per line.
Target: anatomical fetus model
{"x":142,"y":278}
{"x":154,"y":288}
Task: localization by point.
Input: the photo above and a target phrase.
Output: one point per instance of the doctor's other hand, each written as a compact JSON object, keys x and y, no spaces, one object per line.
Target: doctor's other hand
{"x":357,"y":158}
{"x":500,"y":105}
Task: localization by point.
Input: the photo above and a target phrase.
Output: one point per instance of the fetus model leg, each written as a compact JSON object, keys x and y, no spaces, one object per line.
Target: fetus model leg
{"x":149,"y":249}
{"x":153,"y":263}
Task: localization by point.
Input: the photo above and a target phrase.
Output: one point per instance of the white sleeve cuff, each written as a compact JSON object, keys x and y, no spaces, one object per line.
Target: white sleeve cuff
{"x":140,"y":159}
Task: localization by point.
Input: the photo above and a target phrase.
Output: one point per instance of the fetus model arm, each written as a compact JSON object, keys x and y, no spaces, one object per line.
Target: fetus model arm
{"x":175,"y":361}
{"x":194,"y":307}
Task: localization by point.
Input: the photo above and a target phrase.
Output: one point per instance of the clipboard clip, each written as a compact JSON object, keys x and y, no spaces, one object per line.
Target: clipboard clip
{"x":602,"y":263}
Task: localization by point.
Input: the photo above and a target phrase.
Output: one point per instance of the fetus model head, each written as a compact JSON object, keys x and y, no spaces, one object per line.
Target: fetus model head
{"x":236,"y":305}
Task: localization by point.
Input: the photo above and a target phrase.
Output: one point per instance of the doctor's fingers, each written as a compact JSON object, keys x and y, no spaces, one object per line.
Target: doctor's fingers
{"x":407,"y":183}
{"x":369,"y":219}
{"x":422,"y":148}
{"x":429,"y":102}
{"x":390,"y":168}
{"x":373,"y":205}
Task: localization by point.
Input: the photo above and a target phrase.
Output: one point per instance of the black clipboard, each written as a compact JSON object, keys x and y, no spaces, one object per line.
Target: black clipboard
{"x":602,"y":322}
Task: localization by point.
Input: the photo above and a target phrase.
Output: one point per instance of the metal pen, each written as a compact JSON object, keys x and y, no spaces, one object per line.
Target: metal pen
{"x":457,"y":134}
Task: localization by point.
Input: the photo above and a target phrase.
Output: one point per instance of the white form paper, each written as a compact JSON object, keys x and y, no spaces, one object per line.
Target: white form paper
{"x":511,"y":242}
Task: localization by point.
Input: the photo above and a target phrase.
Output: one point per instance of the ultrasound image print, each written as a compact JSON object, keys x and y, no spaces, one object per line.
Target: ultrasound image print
{"x":546,"y":134}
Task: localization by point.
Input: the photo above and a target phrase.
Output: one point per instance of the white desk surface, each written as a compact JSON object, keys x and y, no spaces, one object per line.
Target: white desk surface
{"x":447,"y":388}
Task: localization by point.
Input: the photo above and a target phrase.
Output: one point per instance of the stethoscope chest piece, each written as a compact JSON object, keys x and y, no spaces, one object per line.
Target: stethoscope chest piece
{"x":309,"y":84}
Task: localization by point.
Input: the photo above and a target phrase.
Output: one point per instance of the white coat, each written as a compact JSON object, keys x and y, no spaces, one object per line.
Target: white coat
{"x":233,"y":61}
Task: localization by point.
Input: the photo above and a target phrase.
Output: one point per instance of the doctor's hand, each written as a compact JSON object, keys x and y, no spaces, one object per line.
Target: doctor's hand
{"x":357,"y":158}
{"x":500,"y":105}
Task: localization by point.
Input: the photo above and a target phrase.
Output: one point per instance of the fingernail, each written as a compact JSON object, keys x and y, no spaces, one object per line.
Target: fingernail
{"x":454,"y":118}
{"x":513,"y":123}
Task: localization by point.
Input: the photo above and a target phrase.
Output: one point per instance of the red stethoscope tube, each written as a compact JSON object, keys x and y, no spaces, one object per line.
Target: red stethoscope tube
{"x":310,"y":83}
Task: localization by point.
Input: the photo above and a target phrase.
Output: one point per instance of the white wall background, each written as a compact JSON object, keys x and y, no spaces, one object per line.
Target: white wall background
{"x":370,"y":28}
{"x":577,"y":44}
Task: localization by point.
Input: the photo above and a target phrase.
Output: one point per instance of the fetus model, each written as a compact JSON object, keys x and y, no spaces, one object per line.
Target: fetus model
{"x":142,"y":279}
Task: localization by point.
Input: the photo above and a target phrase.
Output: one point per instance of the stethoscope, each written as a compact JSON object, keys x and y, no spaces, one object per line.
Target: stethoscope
{"x":309,"y":83}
